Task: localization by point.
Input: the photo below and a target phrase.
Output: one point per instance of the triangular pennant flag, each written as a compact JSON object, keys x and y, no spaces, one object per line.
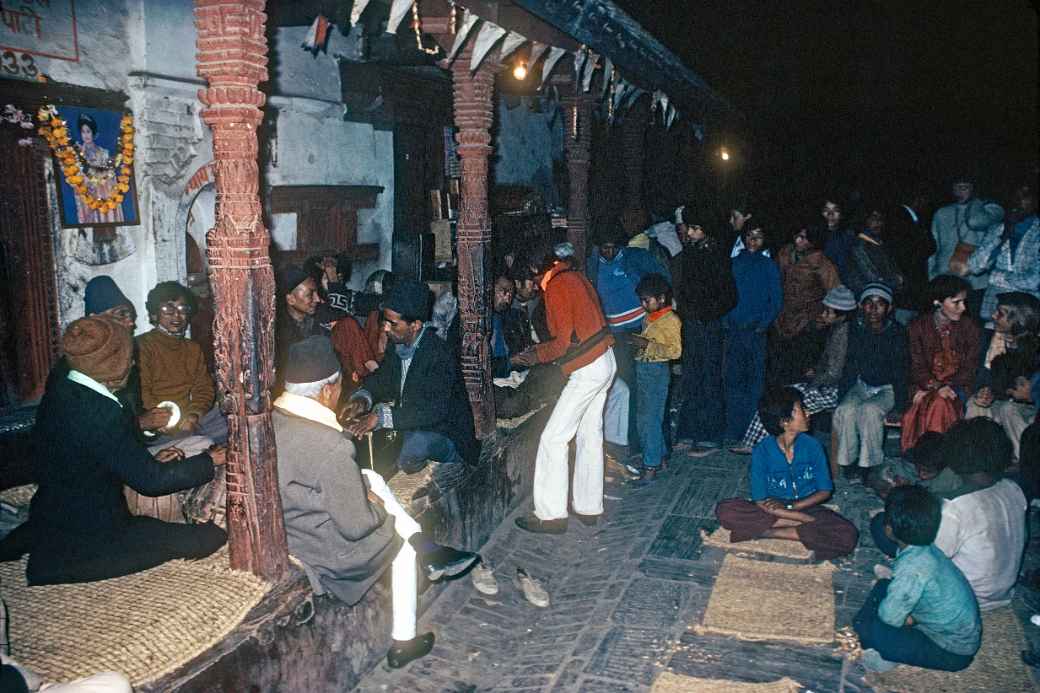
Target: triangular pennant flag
{"x":670,"y":116}
{"x":486,"y":39}
{"x":620,"y":90}
{"x":469,"y":20}
{"x":536,"y":52}
{"x":398,"y":10}
{"x":550,"y":62}
{"x":317,"y":36}
{"x":664,"y":107}
{"x":356,"y":10}
{"x":512,"y":41}
{"x":655,"y":101}
{"x":580,"y":56}
{"x":590,"y":67}
{"x":608,"y":73}
{"x":633,"y":96}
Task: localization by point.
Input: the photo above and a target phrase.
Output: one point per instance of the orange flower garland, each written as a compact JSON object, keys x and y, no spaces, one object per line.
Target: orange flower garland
{"x":75,"y":167}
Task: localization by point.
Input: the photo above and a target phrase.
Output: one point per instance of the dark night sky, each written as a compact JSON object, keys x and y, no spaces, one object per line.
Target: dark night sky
{"x":875,"y":95}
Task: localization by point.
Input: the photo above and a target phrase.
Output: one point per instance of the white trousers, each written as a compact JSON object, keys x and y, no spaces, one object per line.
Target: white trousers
{"x":404,"y":582}
{"x":615,"y":414}
{"x":578,"y":412}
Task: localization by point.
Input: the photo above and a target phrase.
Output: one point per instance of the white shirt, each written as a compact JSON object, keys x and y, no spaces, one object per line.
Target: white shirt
{"x":88,"y":382}
{"x":984,"y":534}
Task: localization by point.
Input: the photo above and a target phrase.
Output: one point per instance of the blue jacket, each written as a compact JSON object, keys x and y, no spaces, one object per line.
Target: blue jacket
{"x":623,"y":310}
{"x":759,"y":293}
{"x":772,"y":477}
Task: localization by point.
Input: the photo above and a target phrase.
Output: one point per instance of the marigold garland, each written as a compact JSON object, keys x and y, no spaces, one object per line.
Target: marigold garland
{"x":75,"y":167}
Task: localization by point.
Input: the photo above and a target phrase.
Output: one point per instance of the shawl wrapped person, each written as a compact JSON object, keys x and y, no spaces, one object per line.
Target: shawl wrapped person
{"x":944,"y":353}
{"x":79,"y":527}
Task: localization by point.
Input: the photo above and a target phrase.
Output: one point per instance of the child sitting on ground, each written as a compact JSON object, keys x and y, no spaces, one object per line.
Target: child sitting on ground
{"x":790,"y":481}
{"x":658,"y":343}
{"x":925,"y":466}
{"x":1013,"y":406}
{"x":926,"y":615}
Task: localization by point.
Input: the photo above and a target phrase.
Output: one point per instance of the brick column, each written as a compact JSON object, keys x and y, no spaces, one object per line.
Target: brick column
{"x":232,"y":58}
{"x":633,"y":147}
{"x":474,"y":112}
{"x":578,"y":145}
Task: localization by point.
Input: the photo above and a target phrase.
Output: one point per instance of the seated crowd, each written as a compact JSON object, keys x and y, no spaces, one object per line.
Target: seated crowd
{"x":862,"y":329}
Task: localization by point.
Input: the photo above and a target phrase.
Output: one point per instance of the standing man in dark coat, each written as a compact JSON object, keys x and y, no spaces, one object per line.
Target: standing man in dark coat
{"x":418,"y":389}
{"x":911,"y":243}
{"x":706,"y":293}
{"x":344,"y":537}
{"x":79,"y":527}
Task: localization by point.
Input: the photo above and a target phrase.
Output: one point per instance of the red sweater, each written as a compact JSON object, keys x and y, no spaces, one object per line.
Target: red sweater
{"x":572,"y":310}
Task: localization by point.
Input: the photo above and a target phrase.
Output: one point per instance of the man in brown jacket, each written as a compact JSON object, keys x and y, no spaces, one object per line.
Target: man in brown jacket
{"x":173,"y":367}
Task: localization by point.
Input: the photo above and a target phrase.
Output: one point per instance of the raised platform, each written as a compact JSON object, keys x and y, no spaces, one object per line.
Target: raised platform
{"x":293,"y":641}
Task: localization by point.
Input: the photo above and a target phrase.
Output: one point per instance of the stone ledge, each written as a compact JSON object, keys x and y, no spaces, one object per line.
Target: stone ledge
{"x":296,"y":641}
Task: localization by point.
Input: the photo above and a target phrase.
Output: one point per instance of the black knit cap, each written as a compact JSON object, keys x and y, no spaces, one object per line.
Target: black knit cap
{"x":311,"y":360}
{"x":409,"y":298}
{"x":289,"y":277}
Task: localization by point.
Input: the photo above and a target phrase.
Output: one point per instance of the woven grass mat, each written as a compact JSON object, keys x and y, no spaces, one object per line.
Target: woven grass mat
{"x":18,"y":496}
{"x":772,"y":547}
{"x":404,"y":486}
{"x":669,"y":682}
{"x":997,"y":667}
{"x":752,"y":600}
{"x":143,"y":625}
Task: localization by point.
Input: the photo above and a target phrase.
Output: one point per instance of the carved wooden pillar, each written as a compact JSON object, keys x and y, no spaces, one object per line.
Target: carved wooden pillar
{"x":474,"y":112}
{"x":232,"y":58}
{"x":633,"y":147}
{"x":578,"y":145}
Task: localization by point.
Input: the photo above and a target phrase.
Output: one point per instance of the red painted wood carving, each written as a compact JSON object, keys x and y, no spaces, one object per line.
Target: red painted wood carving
{"x":579,"y":160}
{"x":232,"y":58}
{"x":474,"y":112}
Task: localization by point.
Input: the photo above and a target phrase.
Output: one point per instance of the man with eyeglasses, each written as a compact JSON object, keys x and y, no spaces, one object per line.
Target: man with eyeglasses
{"x":173,"y":367}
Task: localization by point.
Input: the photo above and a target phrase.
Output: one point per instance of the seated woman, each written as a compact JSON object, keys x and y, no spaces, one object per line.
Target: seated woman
{"x":925,"y":615}
{"x":790,"y":480}
{"x":944,"y":352}
{"x":819,"y":384}
{"x":79,"y":527}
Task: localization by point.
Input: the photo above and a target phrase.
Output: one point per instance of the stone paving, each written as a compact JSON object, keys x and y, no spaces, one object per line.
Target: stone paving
{"x":625,"y":596}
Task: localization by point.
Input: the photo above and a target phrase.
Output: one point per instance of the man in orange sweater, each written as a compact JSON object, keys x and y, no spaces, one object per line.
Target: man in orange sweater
{"x":581,"y":345}
{"x":173,"y":367}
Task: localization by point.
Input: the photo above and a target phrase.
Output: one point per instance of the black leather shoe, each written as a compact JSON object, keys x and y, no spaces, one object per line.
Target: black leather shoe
{"x":446,"y":562}
{"x":531,"y":523}
{"x":587,"y":520}
{"x":404,"y":651}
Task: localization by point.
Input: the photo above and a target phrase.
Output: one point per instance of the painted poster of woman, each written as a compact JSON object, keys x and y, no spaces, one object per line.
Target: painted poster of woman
{"x":95,"y":136}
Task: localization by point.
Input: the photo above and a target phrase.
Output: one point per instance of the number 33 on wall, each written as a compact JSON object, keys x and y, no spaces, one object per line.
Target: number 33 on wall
{"x":22,"y":66}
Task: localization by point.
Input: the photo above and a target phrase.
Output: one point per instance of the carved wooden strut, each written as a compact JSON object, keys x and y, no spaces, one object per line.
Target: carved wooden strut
{"x":232,"y":58}
{"x":474,"y":111}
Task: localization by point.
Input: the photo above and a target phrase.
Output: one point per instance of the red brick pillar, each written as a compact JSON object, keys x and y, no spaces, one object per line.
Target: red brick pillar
{"x":578,"y":145}
{"x":232,"y":58}
{"x":633,"y":147}
{"x":474,"y":112}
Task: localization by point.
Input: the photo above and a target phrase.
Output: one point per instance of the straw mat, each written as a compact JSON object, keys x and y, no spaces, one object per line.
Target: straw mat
{"x":669,"y":682}
{"x":752,"y":600}
{"x":18,"y":496}
{"x":997,"y":667}
{"x":143,"y":625}
{"x":772,"y":547}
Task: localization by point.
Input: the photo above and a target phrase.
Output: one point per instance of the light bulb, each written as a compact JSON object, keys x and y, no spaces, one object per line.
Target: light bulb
{"x":723,"y":154}
{"x":520,"y":71}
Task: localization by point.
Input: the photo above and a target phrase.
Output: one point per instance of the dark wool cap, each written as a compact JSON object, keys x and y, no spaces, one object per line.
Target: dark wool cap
{"x":289,"y":277}
{"x":102,"y":294}
{"x":409,"y":298}
{"x":1018,"y":299}
{"x":311,"y":360}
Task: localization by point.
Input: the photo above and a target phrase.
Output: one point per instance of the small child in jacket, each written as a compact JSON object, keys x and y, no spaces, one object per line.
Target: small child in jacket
{"x":926,"y":615}
{"x":659,"y":342}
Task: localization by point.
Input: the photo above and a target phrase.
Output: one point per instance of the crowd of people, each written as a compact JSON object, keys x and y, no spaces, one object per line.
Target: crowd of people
{"x":839,"y":333}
